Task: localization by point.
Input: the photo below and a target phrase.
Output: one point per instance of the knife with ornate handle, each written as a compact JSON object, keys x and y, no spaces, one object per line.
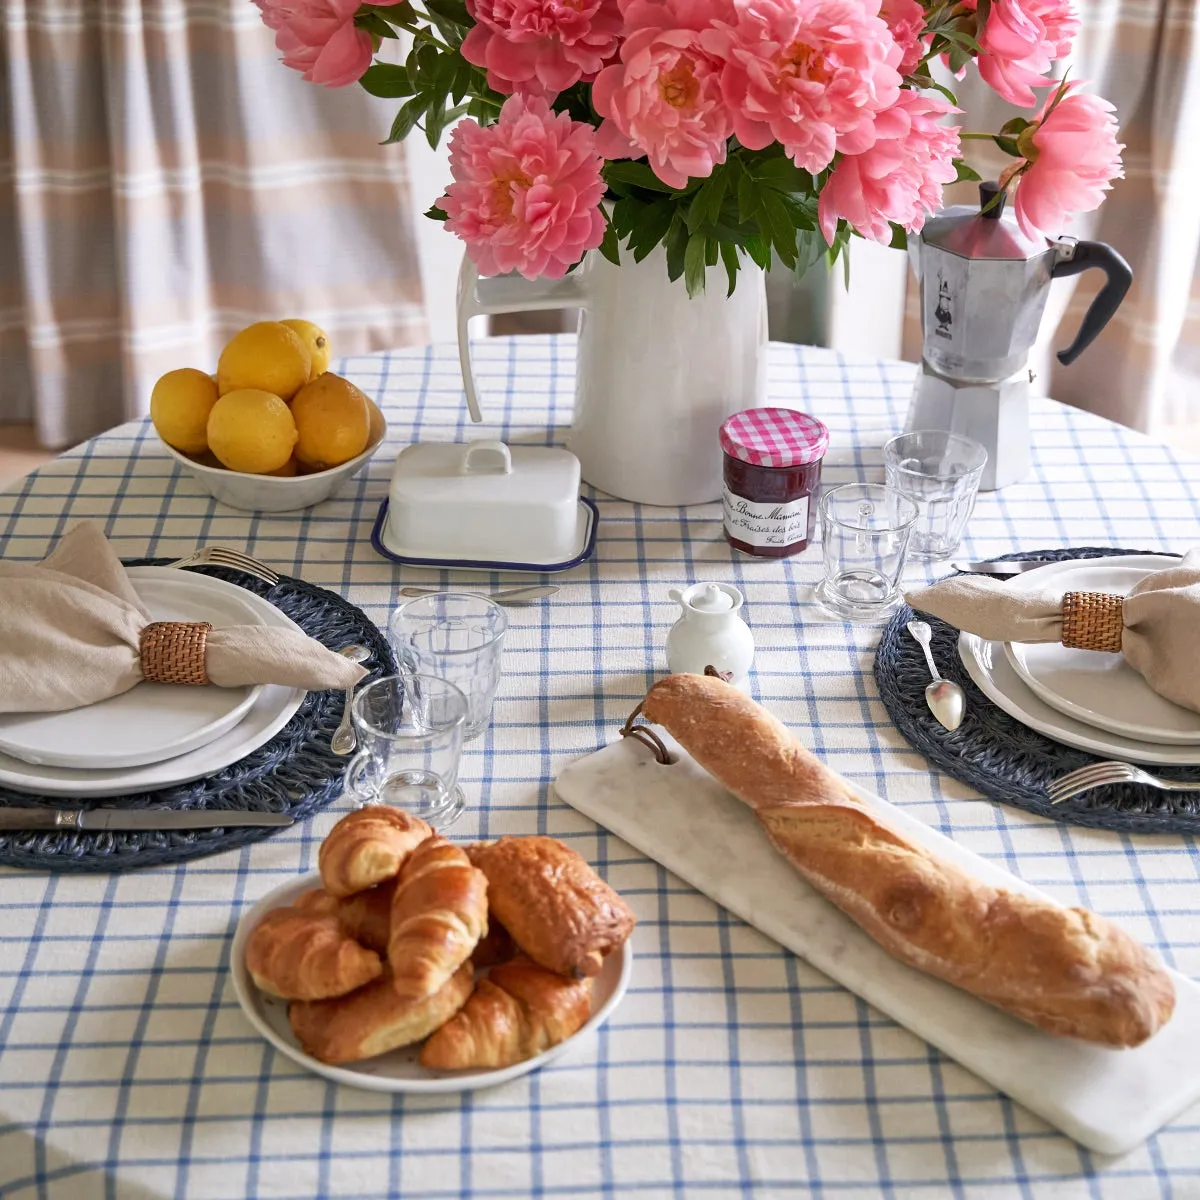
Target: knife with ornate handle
{"x":118,"y":820}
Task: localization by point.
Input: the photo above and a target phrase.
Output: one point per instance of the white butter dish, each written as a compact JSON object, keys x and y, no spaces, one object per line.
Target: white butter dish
{"x":486,"y":505}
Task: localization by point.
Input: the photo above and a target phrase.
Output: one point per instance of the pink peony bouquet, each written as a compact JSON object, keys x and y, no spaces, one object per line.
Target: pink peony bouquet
{"x":719,"y":129}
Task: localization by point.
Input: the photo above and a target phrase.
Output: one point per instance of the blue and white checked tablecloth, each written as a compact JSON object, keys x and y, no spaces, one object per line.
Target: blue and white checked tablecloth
{"x":731,"y":1068}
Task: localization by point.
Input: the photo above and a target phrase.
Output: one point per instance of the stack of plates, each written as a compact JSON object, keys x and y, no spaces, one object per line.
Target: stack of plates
{"x":1091,"y":701}
{"x":155,"y":735}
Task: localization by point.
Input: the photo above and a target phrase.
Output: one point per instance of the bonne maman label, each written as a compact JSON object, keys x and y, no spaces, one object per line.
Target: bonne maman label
{"x":765,"y":524}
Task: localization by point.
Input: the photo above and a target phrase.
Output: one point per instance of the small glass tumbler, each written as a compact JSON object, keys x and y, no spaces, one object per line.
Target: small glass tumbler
{"x":941,"y":472}
{"x":410,"y":735}
{"x":865,"y":529}
{"x":457,"y":637}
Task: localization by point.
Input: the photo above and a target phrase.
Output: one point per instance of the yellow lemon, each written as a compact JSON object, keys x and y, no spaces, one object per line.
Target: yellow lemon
{"x":378,"y":426}
{"x":252,"y":431}
{"x":332,"y":420}
{"x":317,"y":341}
{"x":179,"y":407}
{"x":266,"y":356}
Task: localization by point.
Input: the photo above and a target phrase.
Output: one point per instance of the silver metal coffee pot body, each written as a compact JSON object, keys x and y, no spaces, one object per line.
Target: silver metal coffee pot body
{"x":984,"y":285}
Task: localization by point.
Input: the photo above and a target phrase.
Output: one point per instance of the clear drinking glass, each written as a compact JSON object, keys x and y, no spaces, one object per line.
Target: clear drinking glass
{"x":941,"y":472}
{"x":457,"y":637}
{"x":410,"y":736}
{"x":865,"y":529}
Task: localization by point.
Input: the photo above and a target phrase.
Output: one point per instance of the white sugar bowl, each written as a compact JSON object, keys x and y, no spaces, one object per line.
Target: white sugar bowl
{"x":709,"y":633}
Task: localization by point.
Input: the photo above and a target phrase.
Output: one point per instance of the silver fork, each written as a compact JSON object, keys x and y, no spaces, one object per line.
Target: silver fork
{"x":233,"y":560}
{"x":1102,"y":773}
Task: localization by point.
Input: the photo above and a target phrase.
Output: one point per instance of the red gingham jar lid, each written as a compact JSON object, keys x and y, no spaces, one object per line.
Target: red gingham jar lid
{"x":774,"y":437}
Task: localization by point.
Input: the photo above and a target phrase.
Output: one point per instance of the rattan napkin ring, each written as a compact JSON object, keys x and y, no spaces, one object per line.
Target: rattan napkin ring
{"x":1092,"y":621}
{"x":173,"y":652}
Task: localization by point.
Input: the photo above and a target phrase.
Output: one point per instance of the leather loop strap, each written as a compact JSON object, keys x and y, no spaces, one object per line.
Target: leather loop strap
{"x":173,"y":652}
{"x":645,"y":735}
{"x":1093,"y":621}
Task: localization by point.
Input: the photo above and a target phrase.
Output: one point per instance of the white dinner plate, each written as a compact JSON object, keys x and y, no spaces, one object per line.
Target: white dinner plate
{"x":398,"y":1071}
{"x":151,"y":721}
{"x":1101,"y":690}
{"x":267,"y":715}
{"x":994,"y":675}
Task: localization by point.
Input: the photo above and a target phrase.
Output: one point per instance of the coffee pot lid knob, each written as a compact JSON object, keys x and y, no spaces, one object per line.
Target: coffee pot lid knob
{"x":991,"y":199}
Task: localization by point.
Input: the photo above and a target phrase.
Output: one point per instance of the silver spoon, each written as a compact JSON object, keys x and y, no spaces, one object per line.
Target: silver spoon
{"x":514,"y":595}
{"x":946,"y":699}
{"x":343,"y":740}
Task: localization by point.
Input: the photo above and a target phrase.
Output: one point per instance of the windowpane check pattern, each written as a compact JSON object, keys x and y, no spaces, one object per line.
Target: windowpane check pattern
{"x":732,"y":1068}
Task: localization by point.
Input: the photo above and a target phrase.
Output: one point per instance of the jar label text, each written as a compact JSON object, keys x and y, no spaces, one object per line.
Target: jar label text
{"x":766,"y":524}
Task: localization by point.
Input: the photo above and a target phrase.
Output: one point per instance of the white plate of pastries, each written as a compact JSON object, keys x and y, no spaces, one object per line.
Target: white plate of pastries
{"x":409,"y":963}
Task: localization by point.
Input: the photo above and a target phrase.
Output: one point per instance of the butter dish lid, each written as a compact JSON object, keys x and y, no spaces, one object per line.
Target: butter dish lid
{"x":484,"y":501}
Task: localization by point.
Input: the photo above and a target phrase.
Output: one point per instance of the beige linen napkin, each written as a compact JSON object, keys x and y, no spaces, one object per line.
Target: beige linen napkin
{"x":1160,"y":621}
{"x":71,"y":634}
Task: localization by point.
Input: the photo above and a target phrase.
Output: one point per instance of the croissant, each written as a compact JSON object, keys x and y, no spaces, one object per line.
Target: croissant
{"x":368,"y":846}
{"x":374,"y":1020}
{"x":317,"y":902}
{"x":302,"y":955}
{"x":558,"y":910}
{"x":439,"y":913}
{"x":367,"y":916}
{"x":518,"y":1011}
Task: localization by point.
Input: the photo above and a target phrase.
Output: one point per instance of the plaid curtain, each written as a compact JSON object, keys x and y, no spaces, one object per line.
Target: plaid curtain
{"x":1144,"y":369}
{"x":164,"y":181}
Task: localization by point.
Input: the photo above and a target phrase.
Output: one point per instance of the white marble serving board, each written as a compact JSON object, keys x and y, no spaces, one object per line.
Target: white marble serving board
{"x":678,"y":815}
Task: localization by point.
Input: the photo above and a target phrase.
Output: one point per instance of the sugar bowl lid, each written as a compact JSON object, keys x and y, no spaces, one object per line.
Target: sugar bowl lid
{"x":774,"y":437}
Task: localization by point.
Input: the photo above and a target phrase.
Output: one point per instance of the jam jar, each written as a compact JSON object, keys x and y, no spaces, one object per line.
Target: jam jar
{"x":772,"y":472}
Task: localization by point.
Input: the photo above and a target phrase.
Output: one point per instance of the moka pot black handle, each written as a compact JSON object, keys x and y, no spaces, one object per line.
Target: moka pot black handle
{"x":1119,"y":275}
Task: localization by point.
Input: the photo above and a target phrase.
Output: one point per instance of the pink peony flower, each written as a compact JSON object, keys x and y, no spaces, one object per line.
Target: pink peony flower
{"x":811,"y":74}
{"x":663,"y":98}
{"x":1071,"y":158}
{"x":541,"y":47}
{"x":900,"y":177}
{"x":1019,"y":41}
{"x":319,"y":38}
{"x":906,"y":20}
{"x":526,"y":191}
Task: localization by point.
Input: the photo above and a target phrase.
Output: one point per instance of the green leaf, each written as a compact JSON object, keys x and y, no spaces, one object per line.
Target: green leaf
{"x":437,"y":214}
{"x":810,"y":246}
{"x":747,"y":198}
{"x":1008,"y":145}
{"x":609,"y":247}
{"x":937,"y":87}
{"x":782,"y":174}
{"x":388,"y":80}
{"x":899,"y":237}
{"x":374,"y":24}
{"x":729,"y":256}
{"x":636,"y":173}
{"x":454,"y":11}
{"x":693,"y":265}
{"x":965,"y":171}
{"x":960,"y":56}
{"x":677,"y":244}
{"x":436,"y":121}
{"x":1014,"y":127}
{"x":406,"y":119}
{"x":780,"y":227}
{"x":705,"y":207}
{"x":759,"y":250}
{"x":401,"y":15}
{"x":650,"y":228}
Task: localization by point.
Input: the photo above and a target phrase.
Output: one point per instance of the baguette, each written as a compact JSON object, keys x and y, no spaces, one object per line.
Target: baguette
{"x":1065,"y":970}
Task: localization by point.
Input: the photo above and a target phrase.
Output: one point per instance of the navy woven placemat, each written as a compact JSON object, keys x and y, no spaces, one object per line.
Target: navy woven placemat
{"x":1005,"y":760}
{"x":292,"y":773}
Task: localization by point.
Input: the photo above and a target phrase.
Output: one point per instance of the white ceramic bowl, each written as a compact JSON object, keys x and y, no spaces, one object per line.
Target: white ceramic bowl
{"x":271,"y":493}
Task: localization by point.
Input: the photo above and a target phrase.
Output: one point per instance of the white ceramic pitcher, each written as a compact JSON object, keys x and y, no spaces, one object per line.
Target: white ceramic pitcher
{"x":657,"y":371}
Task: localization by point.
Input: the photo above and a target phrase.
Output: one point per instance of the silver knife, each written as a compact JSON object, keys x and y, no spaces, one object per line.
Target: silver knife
{"x":1005,"y":570}
{"x":129,"y":819}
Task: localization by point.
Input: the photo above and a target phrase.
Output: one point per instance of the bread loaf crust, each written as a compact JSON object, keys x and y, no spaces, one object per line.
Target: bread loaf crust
{"x":1065,"y":970}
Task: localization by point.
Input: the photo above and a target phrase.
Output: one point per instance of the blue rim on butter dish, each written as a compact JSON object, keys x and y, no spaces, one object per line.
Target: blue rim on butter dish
{"x":592,"y":516}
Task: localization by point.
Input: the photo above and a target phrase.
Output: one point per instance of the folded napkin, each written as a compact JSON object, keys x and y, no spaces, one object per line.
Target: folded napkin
{"x":73,"y":631}
{"x":1156,"y":627}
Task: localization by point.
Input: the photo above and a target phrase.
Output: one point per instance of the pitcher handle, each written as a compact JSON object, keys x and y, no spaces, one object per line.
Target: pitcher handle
{"x":1080,"y":256}
{"x":505,"y":294}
